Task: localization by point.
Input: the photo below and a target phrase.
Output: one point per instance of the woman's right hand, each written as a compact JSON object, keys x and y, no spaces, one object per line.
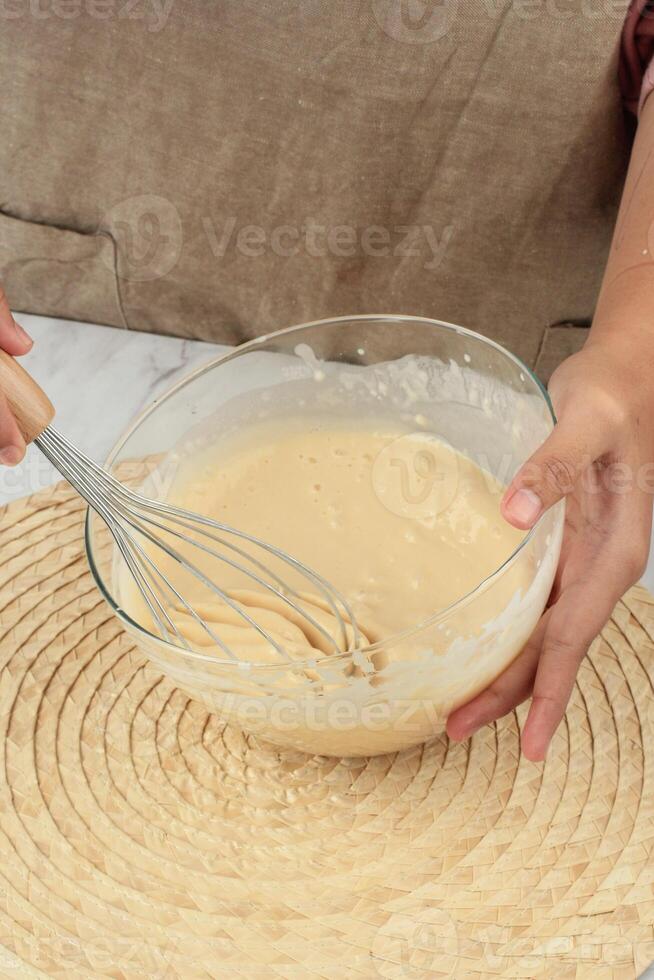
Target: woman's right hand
{"x":15,"y":341}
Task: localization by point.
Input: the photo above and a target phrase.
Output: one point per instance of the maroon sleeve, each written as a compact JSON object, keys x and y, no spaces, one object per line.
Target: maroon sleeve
{"x":637,"y":54}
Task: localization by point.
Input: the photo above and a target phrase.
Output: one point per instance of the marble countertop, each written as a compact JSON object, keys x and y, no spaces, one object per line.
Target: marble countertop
{"x":99,"y":378}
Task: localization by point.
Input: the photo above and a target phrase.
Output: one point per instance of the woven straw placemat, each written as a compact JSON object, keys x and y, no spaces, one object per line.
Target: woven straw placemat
{"x":140,"y":837}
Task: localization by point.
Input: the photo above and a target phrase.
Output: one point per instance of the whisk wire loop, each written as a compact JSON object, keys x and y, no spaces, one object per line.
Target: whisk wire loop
{"x":196,"y":523}
{"x":135,"y":521}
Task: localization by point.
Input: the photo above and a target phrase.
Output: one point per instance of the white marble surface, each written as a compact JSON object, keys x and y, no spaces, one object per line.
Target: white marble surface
{"x":99,"y":378}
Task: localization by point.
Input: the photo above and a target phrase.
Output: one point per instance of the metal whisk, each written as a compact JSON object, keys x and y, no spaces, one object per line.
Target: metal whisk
{"x":140,"y":526}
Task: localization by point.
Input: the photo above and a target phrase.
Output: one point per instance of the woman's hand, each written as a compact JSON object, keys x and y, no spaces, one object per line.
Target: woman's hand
{"x":15,"y":341}
{"x":600,"y":457}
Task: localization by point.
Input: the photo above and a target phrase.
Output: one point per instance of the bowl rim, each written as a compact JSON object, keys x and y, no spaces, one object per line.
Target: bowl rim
{"x":237,"y":351}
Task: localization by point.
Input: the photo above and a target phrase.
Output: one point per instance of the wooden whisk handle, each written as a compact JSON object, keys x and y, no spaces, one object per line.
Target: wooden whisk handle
{"x":31,"y":406}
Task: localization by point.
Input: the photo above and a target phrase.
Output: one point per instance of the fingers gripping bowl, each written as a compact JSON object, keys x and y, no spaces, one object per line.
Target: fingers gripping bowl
{"x":428,"y":380}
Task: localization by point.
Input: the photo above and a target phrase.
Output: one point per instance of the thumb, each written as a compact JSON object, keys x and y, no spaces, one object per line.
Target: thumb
{"x":554,"y":469}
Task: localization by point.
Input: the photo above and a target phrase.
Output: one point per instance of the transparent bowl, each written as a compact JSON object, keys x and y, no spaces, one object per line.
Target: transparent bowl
{"x":471,"y":393}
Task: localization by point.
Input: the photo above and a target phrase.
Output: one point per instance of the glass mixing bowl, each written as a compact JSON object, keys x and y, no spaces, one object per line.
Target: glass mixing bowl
{"x":455,"y":384}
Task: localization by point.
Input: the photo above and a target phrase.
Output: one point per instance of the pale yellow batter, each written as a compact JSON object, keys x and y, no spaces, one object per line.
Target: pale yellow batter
{"x":400,"y":524}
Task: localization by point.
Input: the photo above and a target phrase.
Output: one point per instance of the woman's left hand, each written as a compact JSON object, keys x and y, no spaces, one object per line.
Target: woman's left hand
{"x":600,"y":457}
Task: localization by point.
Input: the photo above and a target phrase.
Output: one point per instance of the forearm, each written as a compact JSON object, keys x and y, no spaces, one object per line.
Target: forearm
{"x":625,"y":309}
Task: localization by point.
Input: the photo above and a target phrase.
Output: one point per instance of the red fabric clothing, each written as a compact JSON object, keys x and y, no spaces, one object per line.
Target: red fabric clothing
{"x":637,"y":57}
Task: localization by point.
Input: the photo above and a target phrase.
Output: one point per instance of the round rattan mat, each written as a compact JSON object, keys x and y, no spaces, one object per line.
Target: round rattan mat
{"x":139,"y":837}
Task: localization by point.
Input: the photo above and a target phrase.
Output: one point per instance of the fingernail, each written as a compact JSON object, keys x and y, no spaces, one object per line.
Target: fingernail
{"x":10,"y":456}
{"x":524,"y":507}
{"x":23,"y":334}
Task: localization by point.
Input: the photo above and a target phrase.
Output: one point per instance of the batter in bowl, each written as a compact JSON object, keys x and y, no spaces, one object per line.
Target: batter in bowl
{"x":350,"y":467}
{"x":398,"y":521}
